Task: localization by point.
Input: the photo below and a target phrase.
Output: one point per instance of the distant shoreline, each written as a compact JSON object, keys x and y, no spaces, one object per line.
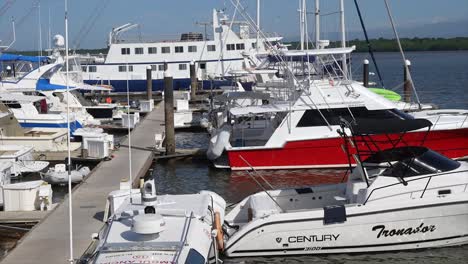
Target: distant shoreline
{"x":378,"y":45}
{"x":408,"y":44}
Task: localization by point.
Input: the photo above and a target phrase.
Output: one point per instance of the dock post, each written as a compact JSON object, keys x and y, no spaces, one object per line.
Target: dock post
{"x":169,"y":113}
{"x":193,"y":79}
{"x":149,"y":83}
{"x":365,"y":73}
{"x":407,"y":83}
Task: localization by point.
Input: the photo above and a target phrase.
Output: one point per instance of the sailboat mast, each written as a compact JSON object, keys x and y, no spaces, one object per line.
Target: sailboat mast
{"x":317,"y":23}
{"x":343,"y":40}
{"x":40,"y":34}
{"x":70,"y":197}
{"x":258,"y":25}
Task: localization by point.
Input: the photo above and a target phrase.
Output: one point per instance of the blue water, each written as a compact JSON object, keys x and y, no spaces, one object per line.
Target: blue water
{"x":440,"y":78}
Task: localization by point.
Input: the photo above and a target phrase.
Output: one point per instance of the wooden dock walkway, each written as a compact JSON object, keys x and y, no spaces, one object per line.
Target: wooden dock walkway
{"x":48,"y":241}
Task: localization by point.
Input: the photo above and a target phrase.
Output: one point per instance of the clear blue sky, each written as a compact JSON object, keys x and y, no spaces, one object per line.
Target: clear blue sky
{"x":162,"y":18}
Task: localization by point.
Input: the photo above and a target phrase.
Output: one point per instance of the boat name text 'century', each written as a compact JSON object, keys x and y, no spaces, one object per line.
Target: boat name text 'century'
{"x":312,"y":238}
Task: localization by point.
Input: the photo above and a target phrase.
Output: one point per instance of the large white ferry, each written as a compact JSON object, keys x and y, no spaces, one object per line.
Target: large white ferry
{"x":214,"y":58}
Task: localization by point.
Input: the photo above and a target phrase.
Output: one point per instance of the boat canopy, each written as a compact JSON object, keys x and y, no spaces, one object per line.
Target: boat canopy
{"x":225,"y":97}
{"x":45,"y":85}
{"x":15,"y":57}
{"x":363,"y":126}
{"x":420,"y":159}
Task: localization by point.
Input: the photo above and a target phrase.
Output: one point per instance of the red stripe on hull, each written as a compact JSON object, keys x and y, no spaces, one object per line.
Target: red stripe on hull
{"x":327,"y":152}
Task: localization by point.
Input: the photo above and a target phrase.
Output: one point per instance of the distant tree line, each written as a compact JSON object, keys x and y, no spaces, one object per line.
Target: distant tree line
{"x":408,"y":44}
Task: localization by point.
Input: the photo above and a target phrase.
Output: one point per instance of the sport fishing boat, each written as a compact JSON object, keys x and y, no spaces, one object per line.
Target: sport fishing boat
{"x":159,"y":228}
{"x":214,"y":58}
{"x":400,"y":198}
{"x":301,"y":130}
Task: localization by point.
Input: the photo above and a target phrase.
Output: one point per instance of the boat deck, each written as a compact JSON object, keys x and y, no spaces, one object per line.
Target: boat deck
{"x":48,"y":241}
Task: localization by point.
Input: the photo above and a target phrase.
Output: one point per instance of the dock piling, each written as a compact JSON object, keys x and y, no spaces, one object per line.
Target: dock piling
{"x":149,"y":83}
{"x":169,"y":113}
{"x":365,"y":73}
{"x":407,"y":84}
{"x":193,"y":79}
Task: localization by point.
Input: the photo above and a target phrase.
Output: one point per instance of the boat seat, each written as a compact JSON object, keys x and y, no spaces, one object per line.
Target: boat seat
{"x":262,"y":206}
{"x":352,"y":189}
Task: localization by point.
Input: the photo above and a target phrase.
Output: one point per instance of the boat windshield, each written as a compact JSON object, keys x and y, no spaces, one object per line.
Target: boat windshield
{"x":428,"y":163}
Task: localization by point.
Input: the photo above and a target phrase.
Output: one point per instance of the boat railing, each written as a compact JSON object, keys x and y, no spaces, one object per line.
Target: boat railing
{"x":405,"y":182}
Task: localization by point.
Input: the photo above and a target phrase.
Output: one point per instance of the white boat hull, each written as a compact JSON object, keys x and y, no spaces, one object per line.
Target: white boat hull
{"x":377,"y":229}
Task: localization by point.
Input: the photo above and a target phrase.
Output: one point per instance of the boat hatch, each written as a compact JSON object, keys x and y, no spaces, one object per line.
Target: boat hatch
{"x":334,"y":214}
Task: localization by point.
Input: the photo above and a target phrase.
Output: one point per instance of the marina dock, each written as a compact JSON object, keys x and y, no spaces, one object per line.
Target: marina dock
{"x":48,"y":241}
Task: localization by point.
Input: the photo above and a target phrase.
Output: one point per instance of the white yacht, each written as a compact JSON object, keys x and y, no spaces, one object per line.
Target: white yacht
{"x":159,"y":228}
{"x":396,"y":199}
{"x":214,"y":58}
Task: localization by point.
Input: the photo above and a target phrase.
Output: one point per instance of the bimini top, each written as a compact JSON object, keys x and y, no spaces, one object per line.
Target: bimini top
{"x":365,"y":126}
{"x":412,"y":161}
{"x":15,"y":57}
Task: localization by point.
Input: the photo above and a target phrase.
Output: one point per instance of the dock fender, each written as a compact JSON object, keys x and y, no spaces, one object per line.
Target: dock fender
{"x":218,"y":142}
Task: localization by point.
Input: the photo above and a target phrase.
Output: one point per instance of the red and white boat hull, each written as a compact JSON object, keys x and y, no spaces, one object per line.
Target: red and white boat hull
{"x":328,"y":152}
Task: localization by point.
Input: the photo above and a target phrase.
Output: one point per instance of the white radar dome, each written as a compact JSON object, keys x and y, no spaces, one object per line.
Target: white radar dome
{"x":59,"y":41}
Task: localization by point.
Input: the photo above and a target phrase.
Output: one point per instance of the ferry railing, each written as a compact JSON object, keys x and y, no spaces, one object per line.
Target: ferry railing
{"x":405,"y":183}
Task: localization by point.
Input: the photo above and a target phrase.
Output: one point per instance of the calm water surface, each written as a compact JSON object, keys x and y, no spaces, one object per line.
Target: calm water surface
{"x":440,"y":78}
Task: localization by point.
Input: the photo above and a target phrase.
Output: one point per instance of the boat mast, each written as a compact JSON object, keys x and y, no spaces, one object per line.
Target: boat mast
{"x":344,"y":65}
{"x":70,"y":203}
{"x":301,"y":26}
{"x":258,"y":26}
{"x":317,"y":23}
{"x":306,"y":29}
{"x":40,"y":34}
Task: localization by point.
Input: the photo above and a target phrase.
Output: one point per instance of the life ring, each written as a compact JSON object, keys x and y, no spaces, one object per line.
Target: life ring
{"x":219,"y":234}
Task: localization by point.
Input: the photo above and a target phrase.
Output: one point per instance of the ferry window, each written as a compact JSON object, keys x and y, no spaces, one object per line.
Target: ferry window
{"x":123,"y":68}
{"x":139,"y":51}
{"x":203,"y":65}
{"x":161,"y":67}
{"x":152,"y":50}
{"x":92,"y":69}
{"x":125,"y":51}
{"x":211,"y":47}
{"x":154,"y":67}
{"x":179,"y":49}
{"x":166,"y":50}
{"x":254,"y":45}
{"x":182,"y":67}
{"x":192,"y":49}
{"x":240,"y":46}
{"x":83,"y":68}
{"x":231,"y":46}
